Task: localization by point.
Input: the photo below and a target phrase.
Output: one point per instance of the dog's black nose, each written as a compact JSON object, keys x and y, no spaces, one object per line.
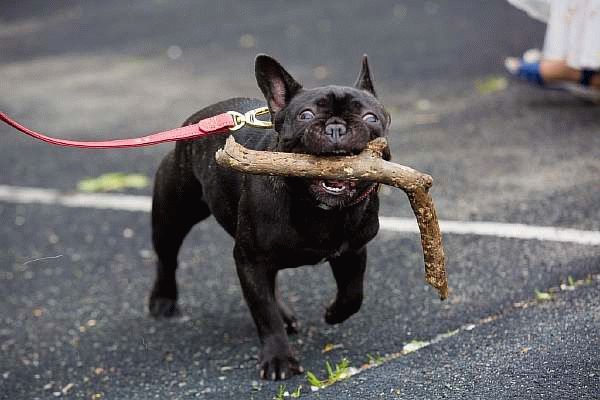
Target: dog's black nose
{"x":335,"y":131}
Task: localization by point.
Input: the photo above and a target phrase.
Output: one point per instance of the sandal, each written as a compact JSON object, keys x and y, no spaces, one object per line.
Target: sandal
{"x":527,"y":67}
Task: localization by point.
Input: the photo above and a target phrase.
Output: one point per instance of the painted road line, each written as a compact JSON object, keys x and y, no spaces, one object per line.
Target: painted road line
{"x":498,"y":229}
{"x":103,"y":201}
{"x":123,"y":202}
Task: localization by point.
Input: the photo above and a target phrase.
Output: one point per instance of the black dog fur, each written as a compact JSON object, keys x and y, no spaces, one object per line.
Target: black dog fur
{"x":277,"y":223}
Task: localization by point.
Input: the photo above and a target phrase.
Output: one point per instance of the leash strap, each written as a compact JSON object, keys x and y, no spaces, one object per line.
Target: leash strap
{"x":218,"y":123}
{"x":221,"y":123}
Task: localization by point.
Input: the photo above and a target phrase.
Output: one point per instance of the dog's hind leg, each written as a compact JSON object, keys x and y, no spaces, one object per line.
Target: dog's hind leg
{"x":287,"y":313}
{"x":176,"y":206}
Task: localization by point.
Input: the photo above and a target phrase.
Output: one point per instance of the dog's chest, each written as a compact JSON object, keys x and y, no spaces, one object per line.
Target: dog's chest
{"x":313,"y":243}
{"x":343,"y":248}
{"x":311,"y":253}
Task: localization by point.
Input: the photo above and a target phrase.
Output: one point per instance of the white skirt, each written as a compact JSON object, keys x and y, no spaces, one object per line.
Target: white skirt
{"x":573,"y":32}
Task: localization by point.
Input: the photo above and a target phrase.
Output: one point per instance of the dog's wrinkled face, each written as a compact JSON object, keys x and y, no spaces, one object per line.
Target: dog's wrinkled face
{"x":332,"y":121}
{"x":329,"y":120}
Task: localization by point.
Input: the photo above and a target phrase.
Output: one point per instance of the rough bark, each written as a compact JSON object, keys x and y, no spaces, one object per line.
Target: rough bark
{"x":368,"y":166}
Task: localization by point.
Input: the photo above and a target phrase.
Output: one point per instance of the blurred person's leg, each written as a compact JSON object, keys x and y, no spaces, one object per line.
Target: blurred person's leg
{"x":559,"y":70}
{"x":571,"y":46}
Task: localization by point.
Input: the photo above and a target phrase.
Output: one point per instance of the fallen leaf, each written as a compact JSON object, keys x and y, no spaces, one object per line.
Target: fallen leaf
{"x":491,"y":84}
{"x":330,"y":346}
{"x":414,"y":346}
{"x":114,"y":181}
{"x":66,"y":389}
{"x":542,"y":296}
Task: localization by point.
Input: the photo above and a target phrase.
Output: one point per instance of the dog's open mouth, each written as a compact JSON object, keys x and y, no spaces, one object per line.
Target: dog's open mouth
{"x":336,"y":187}
{"x":333,"y":188}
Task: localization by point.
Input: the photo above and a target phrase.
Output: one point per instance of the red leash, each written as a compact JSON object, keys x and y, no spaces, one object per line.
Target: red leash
{"x":231,"y":120}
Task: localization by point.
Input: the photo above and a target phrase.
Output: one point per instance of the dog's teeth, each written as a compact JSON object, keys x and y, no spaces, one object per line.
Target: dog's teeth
{"x":273,"y":376}
{"x":333,"y":189}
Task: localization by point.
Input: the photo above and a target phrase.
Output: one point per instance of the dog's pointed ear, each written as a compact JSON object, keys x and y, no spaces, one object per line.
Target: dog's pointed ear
{"x":275,"y":82}
{"x":365,"y":80}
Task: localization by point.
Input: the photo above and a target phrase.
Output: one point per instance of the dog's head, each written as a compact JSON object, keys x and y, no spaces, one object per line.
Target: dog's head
{"x":328,"y":120}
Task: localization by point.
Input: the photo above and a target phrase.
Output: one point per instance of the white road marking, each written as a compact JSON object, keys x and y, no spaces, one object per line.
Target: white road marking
{"x":28,"y":195}
{"x":498,"y":229}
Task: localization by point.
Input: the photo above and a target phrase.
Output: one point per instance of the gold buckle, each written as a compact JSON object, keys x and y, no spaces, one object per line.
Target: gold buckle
{"x":249,"y":118}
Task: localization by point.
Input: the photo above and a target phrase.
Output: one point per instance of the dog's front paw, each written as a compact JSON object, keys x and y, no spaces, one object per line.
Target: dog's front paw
{"x":163,"y":307}
{"x":339,"y":310}
{"x":278,"y":366}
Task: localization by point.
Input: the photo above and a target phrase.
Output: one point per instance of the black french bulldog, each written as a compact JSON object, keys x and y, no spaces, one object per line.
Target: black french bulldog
{"x":277,"y":222}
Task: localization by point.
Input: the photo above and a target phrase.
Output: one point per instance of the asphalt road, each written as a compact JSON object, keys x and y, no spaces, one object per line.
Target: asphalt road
{"x":74,"y":324}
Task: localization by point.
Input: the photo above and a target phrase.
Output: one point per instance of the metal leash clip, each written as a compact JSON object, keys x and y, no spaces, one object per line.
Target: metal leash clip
{"x":250,"y":118}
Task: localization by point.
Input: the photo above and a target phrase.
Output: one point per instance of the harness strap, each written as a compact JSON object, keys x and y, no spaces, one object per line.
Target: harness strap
{"x":372,"y":189}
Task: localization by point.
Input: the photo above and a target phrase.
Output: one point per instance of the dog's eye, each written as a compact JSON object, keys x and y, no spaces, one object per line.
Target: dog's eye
{"x":370,"y":118}
{"x":306,"y":115}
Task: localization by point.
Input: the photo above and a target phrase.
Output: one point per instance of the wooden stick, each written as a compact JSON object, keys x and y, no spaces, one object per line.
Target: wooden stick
{"x":368,"y":166}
